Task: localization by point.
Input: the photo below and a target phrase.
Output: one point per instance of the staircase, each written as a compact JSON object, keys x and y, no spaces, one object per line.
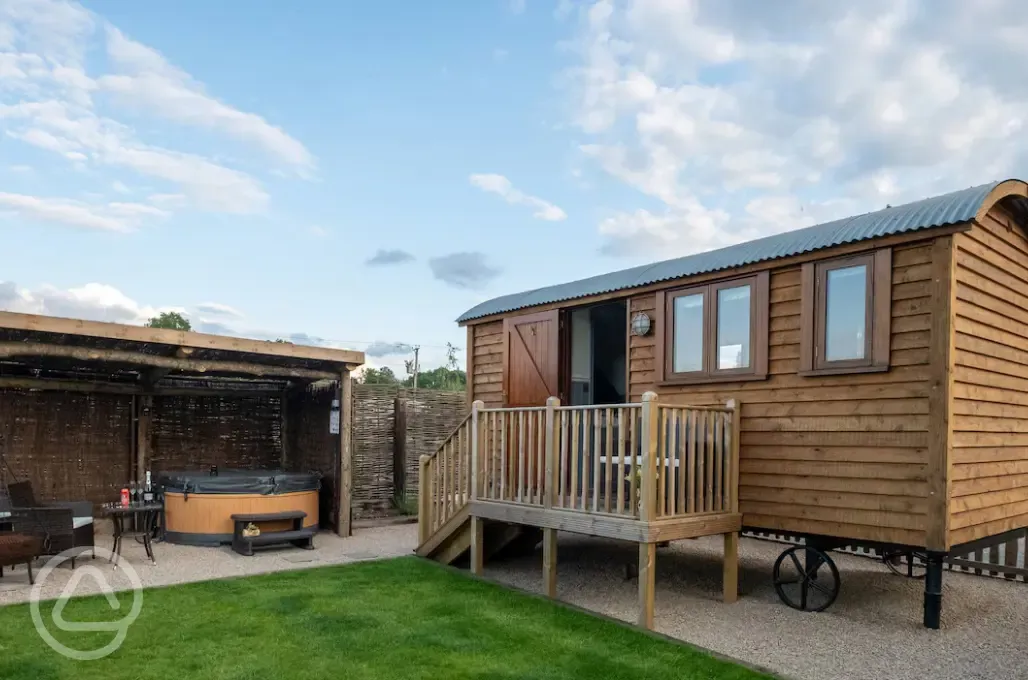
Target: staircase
{"x":444,"y":492}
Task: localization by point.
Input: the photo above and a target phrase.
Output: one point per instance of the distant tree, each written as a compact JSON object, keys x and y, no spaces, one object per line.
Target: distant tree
{"x":379,"y":376}
{"x":170,"y":320}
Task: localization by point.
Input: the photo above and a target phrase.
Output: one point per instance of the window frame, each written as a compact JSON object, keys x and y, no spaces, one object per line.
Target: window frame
{"x":877,"y":314}
{"x":759,"y":305}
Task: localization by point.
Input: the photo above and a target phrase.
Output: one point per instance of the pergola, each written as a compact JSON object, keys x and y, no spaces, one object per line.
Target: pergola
{"x":77,"y":395}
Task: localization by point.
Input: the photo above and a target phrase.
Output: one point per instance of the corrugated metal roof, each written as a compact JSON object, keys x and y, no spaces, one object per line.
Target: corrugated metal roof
{"x":952,"y":208}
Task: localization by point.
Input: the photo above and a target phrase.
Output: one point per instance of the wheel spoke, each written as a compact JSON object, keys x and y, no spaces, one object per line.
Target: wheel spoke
{"x":796,"y":561}
{"x":803,"y":593}
{"x":821,"y":588}
{"x":788,"y":582}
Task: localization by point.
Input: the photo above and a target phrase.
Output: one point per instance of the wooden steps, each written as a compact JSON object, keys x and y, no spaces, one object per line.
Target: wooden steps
{"x":452,"y":541}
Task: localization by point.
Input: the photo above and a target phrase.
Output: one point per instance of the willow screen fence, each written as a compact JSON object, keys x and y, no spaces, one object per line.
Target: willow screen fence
{"x":392,"y":427}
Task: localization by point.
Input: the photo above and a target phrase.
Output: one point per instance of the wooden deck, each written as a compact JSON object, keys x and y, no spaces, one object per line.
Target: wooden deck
{"x":644,"y":472}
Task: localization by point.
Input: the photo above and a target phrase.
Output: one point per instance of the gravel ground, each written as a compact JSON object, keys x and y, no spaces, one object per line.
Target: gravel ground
{"x":873,"y":631}
{"x":182,"y":564}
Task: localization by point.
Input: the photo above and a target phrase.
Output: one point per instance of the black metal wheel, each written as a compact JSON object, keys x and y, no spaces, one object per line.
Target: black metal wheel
{"x":909,"y":563}
{"x":806,"y":578}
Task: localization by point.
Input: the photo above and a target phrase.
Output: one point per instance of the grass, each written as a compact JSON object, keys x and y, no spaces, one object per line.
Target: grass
{"x":402,"y":618}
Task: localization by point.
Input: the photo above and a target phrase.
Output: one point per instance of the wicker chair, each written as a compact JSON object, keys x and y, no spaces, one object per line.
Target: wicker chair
{"x":64,"y":526}
{"x":18,"y":546}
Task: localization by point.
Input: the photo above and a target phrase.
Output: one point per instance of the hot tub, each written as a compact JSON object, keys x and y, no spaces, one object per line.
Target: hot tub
{"x":198,"y":506}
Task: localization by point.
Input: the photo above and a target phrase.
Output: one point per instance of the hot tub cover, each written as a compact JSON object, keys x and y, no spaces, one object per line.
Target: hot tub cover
{"x":266,"y":482}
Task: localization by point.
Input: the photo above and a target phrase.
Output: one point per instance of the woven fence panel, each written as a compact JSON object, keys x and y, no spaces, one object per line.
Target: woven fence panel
{"x":71,"y":446}
{"x":430,"y":416}
{"x":193,"y":433}
{"x":373,"y":427}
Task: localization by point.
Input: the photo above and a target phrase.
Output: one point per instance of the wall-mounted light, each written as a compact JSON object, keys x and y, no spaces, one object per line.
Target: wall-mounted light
{"x":641,"y":324}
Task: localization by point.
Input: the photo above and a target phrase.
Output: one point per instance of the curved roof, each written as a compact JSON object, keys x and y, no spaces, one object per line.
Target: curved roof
{"x":953,"y":208}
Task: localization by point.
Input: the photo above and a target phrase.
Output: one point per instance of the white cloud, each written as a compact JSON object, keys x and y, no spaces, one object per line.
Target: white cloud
{"x":743,"y":117}
{"x":218,"y":309}
{"x":516,"y":6}
{"x":105,"y":217}
{"x":148,"y":80}
{"x":50,"y":100}
{"x":501,"y":186}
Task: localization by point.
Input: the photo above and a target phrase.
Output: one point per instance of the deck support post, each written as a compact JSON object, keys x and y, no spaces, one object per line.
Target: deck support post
{"x":647,"y":583}
{"x":550,"y":562}
{"x":730,"y":569}
{"x":477,"y":545}
{"x":424,"y":501}
{"x":933,"y":590}
{"x":552,"y":439}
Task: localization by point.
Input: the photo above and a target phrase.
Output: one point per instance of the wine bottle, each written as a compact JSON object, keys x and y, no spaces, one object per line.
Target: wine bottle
{"x":148,"y":489}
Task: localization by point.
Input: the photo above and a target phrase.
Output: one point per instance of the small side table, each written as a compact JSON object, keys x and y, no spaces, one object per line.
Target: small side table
{"x":144,"y":516}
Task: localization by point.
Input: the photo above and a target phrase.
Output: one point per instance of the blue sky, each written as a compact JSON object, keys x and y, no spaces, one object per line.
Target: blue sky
{"x":362,"y":173}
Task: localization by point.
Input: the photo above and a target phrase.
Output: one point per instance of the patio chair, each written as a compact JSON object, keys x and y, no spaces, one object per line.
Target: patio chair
{"x":17,"y":546}
{"x":66,"y":525}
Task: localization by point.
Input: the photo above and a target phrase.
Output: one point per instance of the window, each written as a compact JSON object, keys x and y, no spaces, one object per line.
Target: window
{"x":845,"y":314}
{"x":716,"y":331}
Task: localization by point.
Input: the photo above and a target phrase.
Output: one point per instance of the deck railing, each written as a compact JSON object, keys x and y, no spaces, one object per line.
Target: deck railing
{"x":645,"y":461}
{"x":444,"y":484}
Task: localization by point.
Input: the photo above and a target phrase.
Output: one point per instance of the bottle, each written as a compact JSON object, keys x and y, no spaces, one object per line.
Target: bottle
{"x":148,"y":489}
{"x":134,"y":492}
{"x":124,"y":497}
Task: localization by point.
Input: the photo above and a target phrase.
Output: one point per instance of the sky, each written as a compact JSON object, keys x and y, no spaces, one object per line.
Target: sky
{"x":357,"y":174}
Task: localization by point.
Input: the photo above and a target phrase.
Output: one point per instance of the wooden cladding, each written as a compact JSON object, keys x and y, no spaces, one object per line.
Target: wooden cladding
{"x":843,"y":455}
{"x":988,"y":466}
{"x":815,"y":348}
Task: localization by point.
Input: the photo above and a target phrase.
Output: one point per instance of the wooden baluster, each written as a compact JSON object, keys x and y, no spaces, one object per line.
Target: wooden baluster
{"x":500,"y":471}
{"x":530,"y":445}
{"x":690,"y":461}
{"x":521,"y":456}
{"x":623,"y":413}
{"x":576,"y":422}
{"x":505,"y":473}
{"x":594,"y":456}
{"x":681,"y":439}
{"x":661,"y":415}
{"x":423,"y":511}
{"x":701,"y":457}
{"x":608,"y":452}
{"x":563,"y":471}
{"x":719,"y":460}
{"x":709,"y":503}
{"x":633,"y":469}
{"x":586,"y":436}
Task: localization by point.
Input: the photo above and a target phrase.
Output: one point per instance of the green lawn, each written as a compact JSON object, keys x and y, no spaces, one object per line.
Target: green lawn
{"x":403,"y":618}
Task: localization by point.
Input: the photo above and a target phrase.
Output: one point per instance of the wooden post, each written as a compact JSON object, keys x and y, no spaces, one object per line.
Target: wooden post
{"x":400,"y":447}
{"x":424,"y":501}
{"x":550,"y":562}
{"x":477,"y":545}
{"x":344,"y":527}
{"x":647,"y":582}
{"x":143,"y":435}
{"x":730,"y":569}
{"x":477,"y":469}
{"x":648,"y":483}
{"x":550,"y":477}
{"x":733,"y":471}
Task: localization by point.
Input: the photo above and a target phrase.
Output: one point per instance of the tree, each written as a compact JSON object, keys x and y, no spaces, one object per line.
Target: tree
{"x":170,"y":320}
{"x":379,"y":376}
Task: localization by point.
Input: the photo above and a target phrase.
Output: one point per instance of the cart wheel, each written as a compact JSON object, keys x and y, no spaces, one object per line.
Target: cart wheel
{"x":810,"y":588}
{"x":906,"y":563}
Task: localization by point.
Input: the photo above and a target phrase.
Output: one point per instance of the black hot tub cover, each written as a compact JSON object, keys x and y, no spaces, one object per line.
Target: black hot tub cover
{"x":265,"y":482}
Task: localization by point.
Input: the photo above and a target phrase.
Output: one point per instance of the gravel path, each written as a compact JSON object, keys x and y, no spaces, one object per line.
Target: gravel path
{"x":872,"y":632}
{"x":183,"y":564}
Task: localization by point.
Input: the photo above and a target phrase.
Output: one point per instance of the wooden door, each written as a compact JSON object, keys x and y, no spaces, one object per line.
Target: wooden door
{"x":531,"y":373}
